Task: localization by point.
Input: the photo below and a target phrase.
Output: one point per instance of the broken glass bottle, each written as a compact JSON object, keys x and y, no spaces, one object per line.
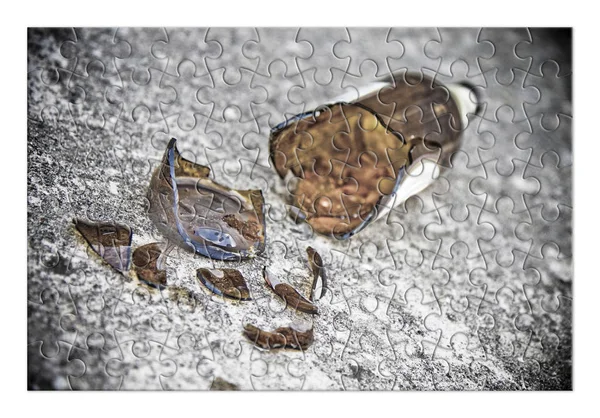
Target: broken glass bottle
{"x":347,"y":164}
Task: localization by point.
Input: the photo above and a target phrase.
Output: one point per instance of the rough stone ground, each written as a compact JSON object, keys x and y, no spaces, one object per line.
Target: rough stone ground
{"x":467,"y":286}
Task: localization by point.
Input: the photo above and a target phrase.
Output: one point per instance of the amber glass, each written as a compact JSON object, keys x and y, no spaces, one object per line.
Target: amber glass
{"x":344,"y":160}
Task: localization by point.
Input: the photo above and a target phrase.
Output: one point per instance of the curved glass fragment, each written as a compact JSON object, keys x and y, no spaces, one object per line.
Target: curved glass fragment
{"x":148,"y":265}
{"x":297,"y":336}
{"x":289,"y":295}
{"x":111,"y":241}
{"x":197,"y":213}
{"x":346,"y":164}
{"x":319,"y":283}
{"x":225,"y":282}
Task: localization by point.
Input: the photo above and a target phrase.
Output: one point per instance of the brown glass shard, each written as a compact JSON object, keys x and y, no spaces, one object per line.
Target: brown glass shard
{"x":222,"y":384}
{"x":290,"y":296}
{"x":249,"y":229}
{"x":297,"y":336}
{"x":111,"y":241}
{"x":197,"y":213}
{"x":319,"y":282}
{"x":225,"y":282}
{"x":148,"y":263}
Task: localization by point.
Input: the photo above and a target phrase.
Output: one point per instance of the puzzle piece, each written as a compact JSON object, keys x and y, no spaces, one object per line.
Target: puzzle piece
{"x":441,"y":48}
{"x":504,"y":49}
{"x":134,"y":95}
{"x":186,"y":45}
{"x":278,"y":79}
{"x":501,"y":273}
{"x":409,"y":240}
{"x":505,"y":240}
{"x":455,"y":193}
{"x":550,"y":195}
{"x":89,"y":105}
{"x":494,"y":90}
{"x":512,"y":131}
{"x":85,"y":46}
{"x":359,"y":47}
{"x":277,"y":372}
{"x":461,"y":277}
{"x":547,"y":44}
{"x":541,"y":231}
{"x":498,"y":322}
{"x":461,"y":319}
{"x":546,"y":335}
{"x":543,"y":140}
{"x":136,"y":53}
{"x":187,"y":84}
{"x":464,"y":357}
{"x":312,"y":94}
{"x":422,"y":277}
{"x":231,"y":59}
{"x":96,"y":357}
{"x":284,"y":40}
{"x":413,"y":43}
{"x":40,"y":365}
{"x":553,"y":103}
{"x":555,"y":273}
{"x":463,"y":285}
{"x":460,"y":228}
{"x":240,"y":94}
{"x":48,"y":96}
{"x":140,"y":367}
{"x":322,"y":58}
{"x":154,"y":322}
{"x":515,"y":186}
{"x":43,"y":48}
{"x":51,"y":309}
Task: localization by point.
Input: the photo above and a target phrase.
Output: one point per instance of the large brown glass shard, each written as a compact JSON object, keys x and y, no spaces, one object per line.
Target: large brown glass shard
{"x":225,"y":282}
{"x":319,"y":282}
{"x":148,"y":265}
{"x":349,"y":159}
{"x":199,"y":214}
{"x":297,"y":336}
{"x":290,"y":296}
{"x":110,"y":241}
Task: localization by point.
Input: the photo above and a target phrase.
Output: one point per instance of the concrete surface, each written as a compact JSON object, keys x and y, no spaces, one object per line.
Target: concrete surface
{"x":466,"y":287}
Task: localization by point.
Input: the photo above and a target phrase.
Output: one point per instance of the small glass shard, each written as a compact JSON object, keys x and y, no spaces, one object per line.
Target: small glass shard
{"x":222,"y":384}
{"x":111,"y":241}
{"x":148,"y":265}
{"x":197,"y":213}
{"x":225,"y":282}
{"x":319,"y":283}
{"x":297,"y":336}
{"x":290,"y":295}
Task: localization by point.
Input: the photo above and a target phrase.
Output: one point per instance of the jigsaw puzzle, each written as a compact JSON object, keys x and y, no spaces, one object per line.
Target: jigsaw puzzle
{"x":299,"y":209}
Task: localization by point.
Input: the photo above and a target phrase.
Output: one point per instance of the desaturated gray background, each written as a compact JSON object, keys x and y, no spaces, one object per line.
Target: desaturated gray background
{"x":467,"y":286}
